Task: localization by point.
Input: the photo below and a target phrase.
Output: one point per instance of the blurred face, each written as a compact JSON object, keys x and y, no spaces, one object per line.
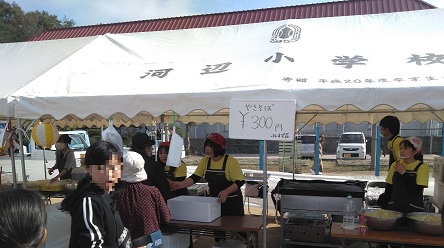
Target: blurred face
{"x":163,"y":155}
{"x":60,"y":145}
{"x":383,"y":131}
{"x":209,"y":152}
{"x":406,"y":151}
{"x":106,"y":176}
{"x":149,"y":151}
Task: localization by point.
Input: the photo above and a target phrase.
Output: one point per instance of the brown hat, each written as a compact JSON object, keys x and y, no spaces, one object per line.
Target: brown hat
{"x":141,"y":140}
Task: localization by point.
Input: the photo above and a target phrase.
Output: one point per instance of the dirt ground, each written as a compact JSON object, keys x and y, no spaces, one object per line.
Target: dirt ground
{"x":274,"y":163}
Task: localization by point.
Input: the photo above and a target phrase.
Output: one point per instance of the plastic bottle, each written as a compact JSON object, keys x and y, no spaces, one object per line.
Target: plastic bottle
{"x":362,"y":222}
{"x":348,"y":218}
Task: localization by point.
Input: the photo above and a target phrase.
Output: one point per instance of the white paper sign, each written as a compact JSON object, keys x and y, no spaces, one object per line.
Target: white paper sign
{"x":3,"y":126}
{"x":262,"y":119}
{"x":175,"y":151}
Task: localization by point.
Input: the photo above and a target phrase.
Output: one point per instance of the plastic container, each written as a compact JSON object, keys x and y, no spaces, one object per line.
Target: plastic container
{"x":348,"y":218}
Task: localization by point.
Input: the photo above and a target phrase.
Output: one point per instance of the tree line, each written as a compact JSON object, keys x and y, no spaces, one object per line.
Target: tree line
{"x":18,"y":26}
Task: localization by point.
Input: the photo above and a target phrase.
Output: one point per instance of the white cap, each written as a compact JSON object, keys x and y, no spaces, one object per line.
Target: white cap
{"x":416,"y":142}
{"x":133,"y":167}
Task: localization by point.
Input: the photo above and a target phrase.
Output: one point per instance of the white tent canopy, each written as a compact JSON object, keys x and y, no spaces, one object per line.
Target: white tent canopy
{"x":23,"y":62}
{"x":338,"y":69}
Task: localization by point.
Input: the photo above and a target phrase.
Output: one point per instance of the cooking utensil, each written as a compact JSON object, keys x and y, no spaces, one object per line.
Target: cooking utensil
{"x":386,"y":222}
{"x":426,"y":223}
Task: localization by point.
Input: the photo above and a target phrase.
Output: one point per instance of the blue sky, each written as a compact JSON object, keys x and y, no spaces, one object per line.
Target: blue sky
{"x":91,"y":12}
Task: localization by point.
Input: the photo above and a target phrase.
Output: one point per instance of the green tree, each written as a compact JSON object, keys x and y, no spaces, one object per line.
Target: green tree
{"x":17,"y":26}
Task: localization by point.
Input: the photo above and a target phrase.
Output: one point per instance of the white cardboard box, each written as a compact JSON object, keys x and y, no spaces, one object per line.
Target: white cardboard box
{"x":194,"y":208}
{"x":438,"y":168}
{"x":176,"y":240}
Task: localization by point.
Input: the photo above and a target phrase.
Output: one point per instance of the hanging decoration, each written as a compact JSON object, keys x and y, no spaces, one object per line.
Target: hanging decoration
{"x":45,"y":134}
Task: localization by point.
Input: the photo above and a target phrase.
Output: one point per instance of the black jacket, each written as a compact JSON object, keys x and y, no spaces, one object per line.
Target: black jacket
{"x":157,"y":177}
{"x":95,"y":221}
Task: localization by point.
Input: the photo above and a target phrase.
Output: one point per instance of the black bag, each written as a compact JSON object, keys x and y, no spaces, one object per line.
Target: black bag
{"x":275,"y":196}
{"x":261,"y":191}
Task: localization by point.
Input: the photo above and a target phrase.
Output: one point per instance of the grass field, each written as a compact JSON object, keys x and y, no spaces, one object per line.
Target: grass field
{"x":331,"y":167}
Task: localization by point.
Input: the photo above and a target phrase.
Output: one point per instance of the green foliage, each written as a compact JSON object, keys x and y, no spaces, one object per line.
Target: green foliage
{"x":18,"y":26}
{"x":180,"y":132}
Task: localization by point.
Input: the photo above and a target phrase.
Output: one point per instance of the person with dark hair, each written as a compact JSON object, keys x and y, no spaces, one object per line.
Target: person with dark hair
{"x":389,"y":128}
{"x":23,"y":218}
{"x":142,"y":144}
{"x":223,"y":174}
{"x":65,"y":159}
{"x":408,"y":177}
{"x":406,"y":180}
{"x":142,"y":207}
{"x":172,"y":173}
{"x":95,"y":221}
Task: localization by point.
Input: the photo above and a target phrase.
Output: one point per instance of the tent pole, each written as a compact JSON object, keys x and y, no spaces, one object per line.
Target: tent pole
{"x":174,"y":121}
{"x":261,"y":155}
{"x":11,"y":154}
{"x":19,"y":126}
{"x":265,"y":198}
{"x":44,"y":163}
{"x":317,"y":154}
{"x":377,"y":151}
{"x":294,"y":155}
{"x":442,"y":140}
{"x":374,"y":146}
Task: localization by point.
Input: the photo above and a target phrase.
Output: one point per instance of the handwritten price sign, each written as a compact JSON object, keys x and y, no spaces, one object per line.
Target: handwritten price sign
{"x":262,"y":119}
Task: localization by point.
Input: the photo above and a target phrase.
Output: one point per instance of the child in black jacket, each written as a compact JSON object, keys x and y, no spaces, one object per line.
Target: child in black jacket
{"x":95,"y":221}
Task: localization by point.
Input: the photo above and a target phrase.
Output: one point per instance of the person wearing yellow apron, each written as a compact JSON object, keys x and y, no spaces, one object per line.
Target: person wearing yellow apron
{"x":223,"y":174}
{"x":408,"y":176}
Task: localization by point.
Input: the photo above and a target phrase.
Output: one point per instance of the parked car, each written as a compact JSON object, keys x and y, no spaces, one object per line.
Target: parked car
{"x":307,"y":145}
{"x":351,"y":145}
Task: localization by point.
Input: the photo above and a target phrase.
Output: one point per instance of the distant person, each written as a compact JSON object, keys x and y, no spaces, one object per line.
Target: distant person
{"x":172,"y":173}
{"x":142,"y":144}
{"x":389,"y":128}
{"x":223,"y":174}
{"x":321,"y":166}
{"x":65,"y":159}
{"x":142,"y":207}
{"x":95,"y":221}
{"x":22,"y":218}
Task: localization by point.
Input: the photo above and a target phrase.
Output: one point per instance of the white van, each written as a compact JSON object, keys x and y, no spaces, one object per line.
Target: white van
{"x":351,"y":145}
{"x":79,"y":143}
